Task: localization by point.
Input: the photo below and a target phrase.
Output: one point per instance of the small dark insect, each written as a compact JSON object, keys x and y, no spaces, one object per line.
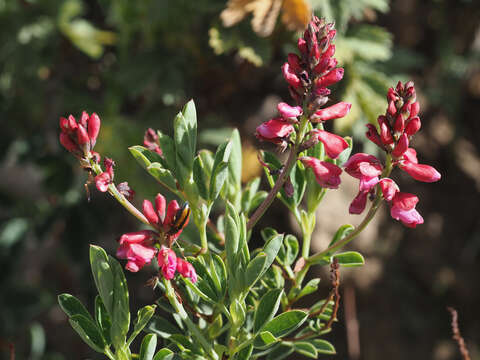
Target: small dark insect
{"x":180,"y":219}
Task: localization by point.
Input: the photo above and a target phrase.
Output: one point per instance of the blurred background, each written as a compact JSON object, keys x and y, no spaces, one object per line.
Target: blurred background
{"x":136,"y":63}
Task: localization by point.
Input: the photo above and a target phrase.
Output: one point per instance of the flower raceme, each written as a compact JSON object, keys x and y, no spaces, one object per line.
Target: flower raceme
{"x":138,"y":248}
{"x":79,"y":138}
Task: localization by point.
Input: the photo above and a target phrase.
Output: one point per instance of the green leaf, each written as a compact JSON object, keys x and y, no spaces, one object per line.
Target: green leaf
{"x":350,"y":259}
{"x":72,"y":306}
{"x":345,"y":154}
{"x":306,"y":349}
{"x":103,"y":276}
{"x":299,"y":184}
{"x":267,"y":308}
{"x":280,"y":352}
{"x":190,"y":114}
{"x":323,"y":346}
{"x":168,"y":149}
{"x":271,"y":249}
{"x":309,"y":288}
{"x":164,"y":354}
{"x":221,"y":273}
{"x":162,"y":327}
{"x":255,"y":269}
{"x":143,"y":317}
{"x":162,"y":175}
{"x":103,"y":319}
{"x":231,"y":241}
{"x":89,"y":332}
{"x":341,"y":233}
{"x":147,"y":349}
{"x":220,"y":169}
{"x":264,"y":339}
{"x":245,"y":353}
{"x":286,"y":322}
{"x":238,"y":313}
{"x":144,"y":156}
{"x":200,"y":177}
{"x":235,"y":166}
{"x":120,"y":307}
{"x":291,"y":249}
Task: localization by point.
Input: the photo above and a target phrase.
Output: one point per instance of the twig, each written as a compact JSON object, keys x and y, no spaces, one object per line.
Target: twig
{"x":456,"y":334}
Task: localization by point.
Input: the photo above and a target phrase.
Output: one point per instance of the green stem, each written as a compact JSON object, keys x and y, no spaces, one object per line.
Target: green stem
{"x":292,"y":157}
{"x":370,"y":215}
{"x":109,"y":354}
{"x":207,"y":346}
{"x":112,"y":190}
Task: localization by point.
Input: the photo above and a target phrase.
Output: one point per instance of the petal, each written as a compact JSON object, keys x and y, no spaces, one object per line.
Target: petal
{"x":404,"y":201}
{"x":389,"y":188}
{"x":359,"y":203}
{"x":410,"y":218}
{"x":149,"y":212}
{"x":275,"y":128}
{"x":420,"y":172}
{"x":287,"y":111}
{"x":336,"y":111}
{"x":160,"y":204}
{"x":333,"y":144}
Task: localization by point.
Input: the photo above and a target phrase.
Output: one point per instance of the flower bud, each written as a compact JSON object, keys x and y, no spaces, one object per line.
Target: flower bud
{"x":160,"y":204}
{"x":414,"y":109}
{"x":289,"y":112}
{"x":391,"y":110}
{"x":361,"y":165}
{"x":93,"y":128}
{"x":413,"y":126}
{"x":150,"y":213}
{"x":84,"y":119}
{"x":294,"y":62}
{"x":326,"y":174}
{"x":332,"y":77}
{"x":186,"y":270}
{"x":401,"y":147}
{"x":334,"y":144}
{"x":389,"y":188}
{"x":420,"y":172}
{"x":336,"y":111}
{"x":72,"y":123}
{"x":275,"y":130}
{"x":373,"y":136}
{"x":399,"y":124}
{"x":385,"y":133}
{"x":67,"y":143}
{"x":82,"y":135}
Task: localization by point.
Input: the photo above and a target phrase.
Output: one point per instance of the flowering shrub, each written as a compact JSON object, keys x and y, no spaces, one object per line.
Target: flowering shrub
{"x":222,"y":299}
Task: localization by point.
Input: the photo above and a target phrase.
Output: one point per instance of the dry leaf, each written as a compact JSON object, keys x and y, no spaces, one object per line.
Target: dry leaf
{"x":296,"y":14}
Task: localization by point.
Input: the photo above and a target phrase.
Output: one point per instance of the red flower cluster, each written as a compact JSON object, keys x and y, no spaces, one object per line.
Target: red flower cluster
{"x":79,"y":138}
{"x":397,"y":127}
{"x":140,"y":247}
{"x":308,"y":76}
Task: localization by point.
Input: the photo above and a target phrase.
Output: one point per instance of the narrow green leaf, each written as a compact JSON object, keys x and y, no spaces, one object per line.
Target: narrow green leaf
{"x":271,"y":248}
{"x":350,"y":259}
{"x":103,"y":276}
{"x":164,"y":354}
{"x":190,"y":114}
{"x":72,"y":306}
{"x":238,"y":312}
{"x":264,"y":339}
{"x":120,"y":306}
{"x":162,"y":175}
{"x":291,"y":249}
{"x":245,"y":353}
{"x":220,"y":169}
{"x":221,"y":273}
{"x":323,"y":346}
{"x":280,"y":352}
{"x":168,"y":149}
{"x":200,"y":177}
{"x":143,"y":317}
{"x":309,"y":288}
{"x":255,"y":269}
{"x":147,"y":349}
{"x":162,"y":327}
{"x":103,"y":319}
{"x":231,"y":242}
{"x":235,"y":163}
{"x":89,"y":332}
{"x":267,"y":308}
{"x":144,"y":156}
{"x":286,"y":322}
{"x":306,"y":349}
{"x":345,"y":154}
{"x":341,"y":233}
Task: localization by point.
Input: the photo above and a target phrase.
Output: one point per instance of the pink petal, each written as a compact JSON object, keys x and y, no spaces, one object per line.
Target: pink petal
{"x":336,"y":111}
{"x":420,"y":172}
{"x":287,"y":111}
{"x":359,"y":203}
{"x":333,"y":144}
{"x":326,"y":174}
{"x":149,"y":212}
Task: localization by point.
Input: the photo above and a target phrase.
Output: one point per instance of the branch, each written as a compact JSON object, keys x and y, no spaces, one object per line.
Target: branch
{"x":456,"y":334}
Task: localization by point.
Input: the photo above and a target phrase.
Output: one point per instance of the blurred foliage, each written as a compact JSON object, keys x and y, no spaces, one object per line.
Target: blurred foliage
{"x":135,"y":63}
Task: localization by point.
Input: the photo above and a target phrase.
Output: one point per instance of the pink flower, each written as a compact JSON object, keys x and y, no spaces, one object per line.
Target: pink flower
{"x":93,"y":128}
{"x":389,"y":188}
{"x":401,"y":147}
{"x":103,"y":180}
{"x":79,"y":137}
{"x":326,"y":174}
{"x":137,"y":248}
{"x":413,"y":125}
{"x":186,"y":270}
{"x":403,"y":209}
{"x":167,"y":261}
{"x":336,"y":111}
{"x":275,"y":130}
{"x":172,"y":222}
{"x":333,"y":144}
{"x":360,"y":201}
{"x":330,"y":78}
{"x":290,"y":76}
{"x":289,"y":112}
{"x":363,"y":165}
{"x":385,"y":133}
{"x":151,"y":142}
{"x":68,"y":143}
{"x":420,"y":172}
{"x":373,"y":136}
